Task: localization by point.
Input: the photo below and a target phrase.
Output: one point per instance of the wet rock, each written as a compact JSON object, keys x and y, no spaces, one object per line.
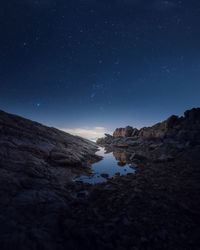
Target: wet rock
{"x":104,"y":175}
{"x":117,"y":174}
{"x":133,"y":165}
{"x":121,"y":164}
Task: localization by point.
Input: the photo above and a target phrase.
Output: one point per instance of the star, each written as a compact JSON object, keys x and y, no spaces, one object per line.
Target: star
{"x":37,"y":104}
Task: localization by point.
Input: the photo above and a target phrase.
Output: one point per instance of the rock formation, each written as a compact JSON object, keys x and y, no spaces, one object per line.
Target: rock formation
{"x":33,"y":153}
{"x":27,"y":143}
{"x":183,"y":129}
{"x":157,"y":207}
{"x":125,"y":132}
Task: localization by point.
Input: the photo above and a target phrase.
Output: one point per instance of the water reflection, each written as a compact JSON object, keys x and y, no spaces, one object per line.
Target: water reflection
{"x":122,"y":157}
{"x":113,"y":163}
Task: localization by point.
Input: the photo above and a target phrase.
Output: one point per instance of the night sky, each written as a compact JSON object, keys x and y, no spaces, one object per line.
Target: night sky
{"x":89,"y":66}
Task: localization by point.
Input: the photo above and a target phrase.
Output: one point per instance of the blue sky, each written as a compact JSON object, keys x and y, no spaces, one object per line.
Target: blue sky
{"x":81,"y":65}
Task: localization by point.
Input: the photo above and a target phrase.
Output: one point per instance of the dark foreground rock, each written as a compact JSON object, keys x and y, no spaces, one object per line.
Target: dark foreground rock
{"x":35,"y":163}
{"x":36,"y":156}
{"x":157,"y":207}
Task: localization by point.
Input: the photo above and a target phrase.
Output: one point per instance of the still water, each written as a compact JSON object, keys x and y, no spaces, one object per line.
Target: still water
{"x":112,"y":163}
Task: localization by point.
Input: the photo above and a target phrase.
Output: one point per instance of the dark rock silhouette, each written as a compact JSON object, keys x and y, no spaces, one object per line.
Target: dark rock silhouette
{"x":184,"y":129}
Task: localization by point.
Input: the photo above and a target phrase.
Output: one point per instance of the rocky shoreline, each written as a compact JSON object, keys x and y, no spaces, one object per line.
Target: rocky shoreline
{"x":162,"y":142}
{"x":157,"y":207}
{"x":184,"y":131}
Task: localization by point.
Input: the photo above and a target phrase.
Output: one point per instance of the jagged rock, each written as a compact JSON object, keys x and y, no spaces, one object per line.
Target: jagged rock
{"x":23,"y":141}
{"x":36,"y":156}
{"x":105,"y":140}
{"x":177,"y":129}
{"x":182,"y":127}
{"x":100,"y":140}
{"x":125,"y":132}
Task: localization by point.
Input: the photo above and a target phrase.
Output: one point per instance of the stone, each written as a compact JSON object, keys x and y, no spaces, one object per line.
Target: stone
{"x":175,"y":129}
{"x":105,"y":140}
{"x":27,"y":143}
{"x":125,"y":132}
{"x":104,"y":175}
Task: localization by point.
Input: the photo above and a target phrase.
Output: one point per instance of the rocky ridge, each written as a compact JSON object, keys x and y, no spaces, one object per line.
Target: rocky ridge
{"x":183,"y":130}
{"x":34,"y":157}
{"x":24,"y":142}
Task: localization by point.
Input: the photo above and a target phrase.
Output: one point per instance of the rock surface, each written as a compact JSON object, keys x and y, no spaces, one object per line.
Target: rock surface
{"x":125,"y":132}
{"x":157,"y":207}
{"x":24,"y":142}
{"x":35,"y":163}
{"x":184,"y":130}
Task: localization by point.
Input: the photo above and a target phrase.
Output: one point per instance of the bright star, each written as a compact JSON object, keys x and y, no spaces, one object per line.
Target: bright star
{"x":38,"y":104}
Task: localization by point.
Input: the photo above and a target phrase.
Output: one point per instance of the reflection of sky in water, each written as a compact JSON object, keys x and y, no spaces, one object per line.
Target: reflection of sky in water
{"x":108,"y":165}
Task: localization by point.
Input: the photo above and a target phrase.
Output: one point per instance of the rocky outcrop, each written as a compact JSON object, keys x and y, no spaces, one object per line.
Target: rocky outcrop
{"x":24,"y":142}
{"x":36,"y":165}
{"x":107,"y":139}
{"x":125,"y":132}
{"x":184,"y":129}
{"x":32,"y":154}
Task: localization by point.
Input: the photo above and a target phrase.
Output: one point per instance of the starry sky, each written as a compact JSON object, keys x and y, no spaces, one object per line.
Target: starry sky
{"x":89,"y":66}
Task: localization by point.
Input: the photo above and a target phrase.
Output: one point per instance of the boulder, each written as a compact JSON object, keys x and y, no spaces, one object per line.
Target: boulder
{"x":125,"y":132}
{"x":108,"y":139}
